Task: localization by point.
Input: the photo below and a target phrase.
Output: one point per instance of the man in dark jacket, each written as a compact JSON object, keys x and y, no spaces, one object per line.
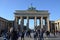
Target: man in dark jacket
{"x":41,"y":34}
{"x":14,"y":35}
{"x":22,"y":36}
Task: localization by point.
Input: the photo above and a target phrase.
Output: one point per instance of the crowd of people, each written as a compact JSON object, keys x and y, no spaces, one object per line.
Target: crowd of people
{"x":15,"y":34}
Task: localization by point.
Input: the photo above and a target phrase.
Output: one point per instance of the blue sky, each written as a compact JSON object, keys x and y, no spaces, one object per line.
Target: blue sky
{"x":8,"y":7}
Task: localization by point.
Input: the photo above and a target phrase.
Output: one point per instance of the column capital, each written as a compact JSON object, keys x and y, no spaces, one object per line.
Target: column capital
{"x":41,"y":16}
{"x":20,"y":16}
{"x":35,"y":16}
{"x":27,"y":17}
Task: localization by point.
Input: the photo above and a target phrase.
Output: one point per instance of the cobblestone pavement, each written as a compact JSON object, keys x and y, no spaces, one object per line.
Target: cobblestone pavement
{"x":37,"y":38}
{"x":52,"y":37}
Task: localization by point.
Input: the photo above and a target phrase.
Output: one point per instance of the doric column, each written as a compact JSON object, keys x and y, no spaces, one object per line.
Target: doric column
{"x":41,"y":22}
{"x":16,"y":22}
{"x":0,"y":24}
{"x":16,"y":19}
{"x":48,"y":24}
{"x":57,"y":25}
{"x":27,"y":22}
{"x":45,"y":24}
{"x":21,"y":23}
{"x":35,"y":22}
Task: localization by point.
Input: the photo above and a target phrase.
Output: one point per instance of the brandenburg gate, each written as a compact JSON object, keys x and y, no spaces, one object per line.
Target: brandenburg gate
{"x":32,"y":13}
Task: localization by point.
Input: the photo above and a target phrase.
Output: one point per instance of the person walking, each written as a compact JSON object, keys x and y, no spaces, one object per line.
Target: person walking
{"x":22,"y":35}
{"x":14,"y":35}
{"x":35,"y":35}
{"x":47,"y":33}
{"x":41,"y":34}
{"x":29,"y":33}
